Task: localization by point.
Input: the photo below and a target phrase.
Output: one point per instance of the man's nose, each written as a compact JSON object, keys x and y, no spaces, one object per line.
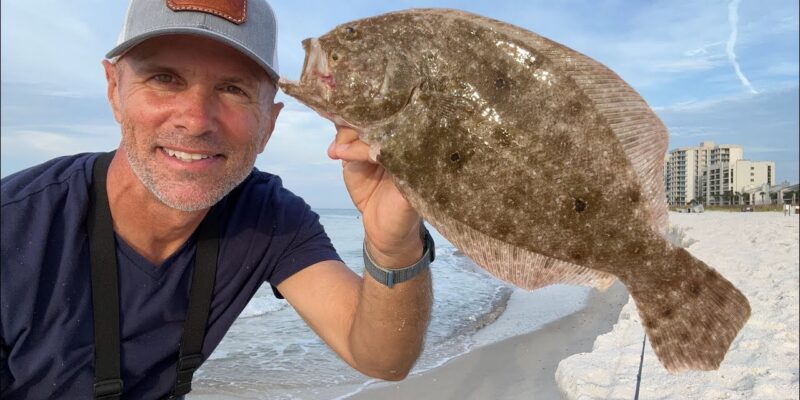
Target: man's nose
{"x":197,"y":111}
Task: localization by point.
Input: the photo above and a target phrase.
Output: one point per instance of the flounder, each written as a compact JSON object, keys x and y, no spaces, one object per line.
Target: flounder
{"x":538,"y":162}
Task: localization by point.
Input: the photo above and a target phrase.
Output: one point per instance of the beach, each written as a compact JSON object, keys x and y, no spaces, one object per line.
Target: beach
{"x":520,"y":367}
{"x":573,"y":342}
{"x":758,"y":253}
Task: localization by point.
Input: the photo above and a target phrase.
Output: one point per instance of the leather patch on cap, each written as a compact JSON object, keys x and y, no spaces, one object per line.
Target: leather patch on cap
{"x":232,"y":10}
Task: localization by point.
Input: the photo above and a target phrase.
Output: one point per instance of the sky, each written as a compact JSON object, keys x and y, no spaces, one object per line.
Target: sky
{"x":721,"y":71}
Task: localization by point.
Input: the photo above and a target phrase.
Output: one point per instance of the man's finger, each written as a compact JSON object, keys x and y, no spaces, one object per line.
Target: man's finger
{"x":350,"y":151}
{"x":345,"y":134}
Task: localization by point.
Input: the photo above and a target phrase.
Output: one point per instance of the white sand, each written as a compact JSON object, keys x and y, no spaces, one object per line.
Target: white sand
{"x":757,"y":252}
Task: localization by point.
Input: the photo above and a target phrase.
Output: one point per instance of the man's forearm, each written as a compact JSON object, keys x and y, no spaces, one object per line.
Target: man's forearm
{"x":390,"y":323}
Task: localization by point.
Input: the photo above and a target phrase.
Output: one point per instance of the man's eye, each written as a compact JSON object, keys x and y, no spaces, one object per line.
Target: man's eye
{"x":235,"y":90}
{"x":164,"y":78}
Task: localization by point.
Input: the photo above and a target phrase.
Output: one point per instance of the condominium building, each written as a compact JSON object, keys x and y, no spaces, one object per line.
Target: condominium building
{"x":727,"y":181}
{"x":712,"y":174}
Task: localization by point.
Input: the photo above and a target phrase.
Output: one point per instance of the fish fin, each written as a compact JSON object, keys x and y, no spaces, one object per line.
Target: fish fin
{"x":525,"y":269}
{"x":640,"y":132}
{"x":691,"y":316}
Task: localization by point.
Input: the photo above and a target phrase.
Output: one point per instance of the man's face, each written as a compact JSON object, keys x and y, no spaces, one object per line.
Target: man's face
{"x":194,"y":113}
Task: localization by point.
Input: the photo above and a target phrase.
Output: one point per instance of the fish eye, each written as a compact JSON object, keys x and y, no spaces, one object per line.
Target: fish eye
{"x":350,"y":33}
{"x":335,"y":56}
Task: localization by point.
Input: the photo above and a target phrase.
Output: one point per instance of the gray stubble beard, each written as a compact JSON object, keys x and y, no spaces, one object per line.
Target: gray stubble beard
{"x":155,"y":183}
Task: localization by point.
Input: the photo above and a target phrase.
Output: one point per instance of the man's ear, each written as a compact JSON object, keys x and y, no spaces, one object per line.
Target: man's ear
{"x":112,"y":80}
{"x":275,"y":110}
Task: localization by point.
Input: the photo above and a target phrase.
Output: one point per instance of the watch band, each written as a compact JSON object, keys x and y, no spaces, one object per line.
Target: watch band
{"x":390,"y":277}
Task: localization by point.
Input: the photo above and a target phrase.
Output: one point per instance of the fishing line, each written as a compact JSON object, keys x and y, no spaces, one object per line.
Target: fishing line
{"x":639,"y":375}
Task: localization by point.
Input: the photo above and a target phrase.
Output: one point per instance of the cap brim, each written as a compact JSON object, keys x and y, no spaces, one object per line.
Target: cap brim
{"x":123,"y":48}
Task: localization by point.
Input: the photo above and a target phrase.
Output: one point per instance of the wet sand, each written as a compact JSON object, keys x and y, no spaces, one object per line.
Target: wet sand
{"x":521,"y":367}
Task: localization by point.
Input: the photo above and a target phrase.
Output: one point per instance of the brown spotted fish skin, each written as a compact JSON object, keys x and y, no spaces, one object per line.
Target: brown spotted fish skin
{"x":538,"y":162}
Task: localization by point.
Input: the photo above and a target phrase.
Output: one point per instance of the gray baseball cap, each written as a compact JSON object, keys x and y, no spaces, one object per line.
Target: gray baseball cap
{"x":246,"y":25}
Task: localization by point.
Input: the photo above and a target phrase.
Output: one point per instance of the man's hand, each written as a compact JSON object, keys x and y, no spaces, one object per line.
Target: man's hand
{"x":391,"y":226}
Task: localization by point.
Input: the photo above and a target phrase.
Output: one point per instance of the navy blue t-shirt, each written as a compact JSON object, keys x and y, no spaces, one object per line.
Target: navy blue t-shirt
{"x":46,"y":323}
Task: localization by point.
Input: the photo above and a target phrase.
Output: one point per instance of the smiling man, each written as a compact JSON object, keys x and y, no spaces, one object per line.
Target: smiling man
{"x":121,"y":272}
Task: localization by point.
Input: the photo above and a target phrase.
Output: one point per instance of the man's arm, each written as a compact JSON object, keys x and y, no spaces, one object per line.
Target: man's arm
{"x":376,"y":329}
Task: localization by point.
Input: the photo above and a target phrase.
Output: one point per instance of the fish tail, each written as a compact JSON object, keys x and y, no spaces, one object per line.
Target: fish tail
{"x":691,"y":318}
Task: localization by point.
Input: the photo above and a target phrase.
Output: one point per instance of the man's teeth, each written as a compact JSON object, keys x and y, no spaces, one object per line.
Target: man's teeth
{"x":185,"y":156}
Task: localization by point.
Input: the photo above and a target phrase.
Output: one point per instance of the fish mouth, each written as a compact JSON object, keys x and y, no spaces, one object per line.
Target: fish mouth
{"x":315,"y":67}
{"x":317,"y":83}
{"x":316,"y":76}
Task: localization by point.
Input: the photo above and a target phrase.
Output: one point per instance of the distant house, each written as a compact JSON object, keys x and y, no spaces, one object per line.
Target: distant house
{"x":784,"y":193}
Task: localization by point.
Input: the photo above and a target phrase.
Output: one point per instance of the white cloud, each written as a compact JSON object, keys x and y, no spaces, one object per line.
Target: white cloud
{"x":733,"y":18}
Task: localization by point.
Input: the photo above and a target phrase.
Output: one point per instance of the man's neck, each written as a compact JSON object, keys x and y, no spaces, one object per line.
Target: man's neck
{"x":150,"y":227}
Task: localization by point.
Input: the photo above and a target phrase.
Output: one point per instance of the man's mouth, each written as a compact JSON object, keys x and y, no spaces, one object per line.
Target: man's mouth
{"x":186,"y":157}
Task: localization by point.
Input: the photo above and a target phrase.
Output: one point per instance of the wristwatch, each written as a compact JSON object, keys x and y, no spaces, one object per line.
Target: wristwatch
{"x":390,"y":277}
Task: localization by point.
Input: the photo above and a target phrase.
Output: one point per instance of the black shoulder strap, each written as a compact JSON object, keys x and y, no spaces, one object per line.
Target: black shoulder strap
{"x":105,"y":298}
{"x":194,"y":328}
{"x":105,"y":293}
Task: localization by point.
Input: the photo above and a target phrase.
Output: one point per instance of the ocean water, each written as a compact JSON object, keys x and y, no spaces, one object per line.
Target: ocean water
{"x":270,"y":353}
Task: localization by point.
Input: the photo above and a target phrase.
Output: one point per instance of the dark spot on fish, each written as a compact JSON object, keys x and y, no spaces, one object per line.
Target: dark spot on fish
{"x":442,"y":197}
{"x":634,"y":195}
{"x":651,"y":324}
{"x":580,"y":205}
{"x":502,"y":136}
{"x":634,"y":248}
{"x":457,"y":157}
{"x":667,"y":313}
{"x":694,"y":289}
{"x":577,"y":254}
{"x":503,"y":230}
{"x":500,"y":83}
{"x":574,"y":108}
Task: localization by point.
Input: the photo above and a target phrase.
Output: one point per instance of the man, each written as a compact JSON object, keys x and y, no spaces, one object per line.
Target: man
{"x":192,"y":85}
